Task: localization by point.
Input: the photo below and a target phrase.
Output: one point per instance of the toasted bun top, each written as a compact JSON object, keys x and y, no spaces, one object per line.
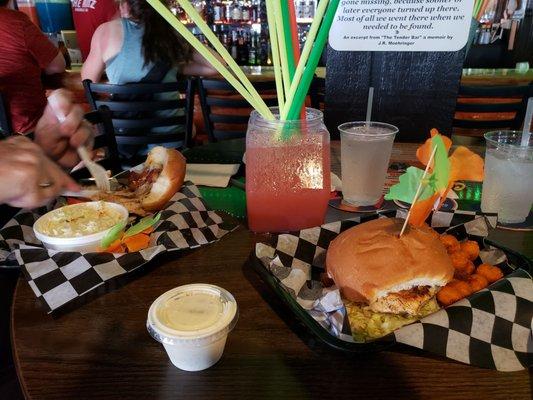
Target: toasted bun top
{"x":170,"y":180}
{"x":370,"y":261}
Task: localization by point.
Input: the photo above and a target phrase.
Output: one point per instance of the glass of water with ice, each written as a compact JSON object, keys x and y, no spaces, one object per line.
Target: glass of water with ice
{"x":508,"y":180}
{"x":365,"y":153}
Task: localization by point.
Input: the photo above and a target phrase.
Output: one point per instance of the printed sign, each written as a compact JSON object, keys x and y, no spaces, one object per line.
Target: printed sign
{"x":401,"y":25}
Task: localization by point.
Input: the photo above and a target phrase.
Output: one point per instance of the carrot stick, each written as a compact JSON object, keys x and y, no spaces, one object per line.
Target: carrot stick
{"x":137,"y":242}
{"x":115,"y":247}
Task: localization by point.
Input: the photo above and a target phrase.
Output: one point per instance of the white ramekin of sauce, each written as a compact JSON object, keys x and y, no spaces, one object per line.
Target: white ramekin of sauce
{"x":192,"y":322}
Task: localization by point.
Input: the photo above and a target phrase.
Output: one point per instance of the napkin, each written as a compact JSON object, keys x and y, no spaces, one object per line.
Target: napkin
{"x":214,"y":175}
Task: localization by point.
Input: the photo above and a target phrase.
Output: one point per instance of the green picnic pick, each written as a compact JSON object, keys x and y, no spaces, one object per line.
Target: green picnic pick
{"x":437,"y":181}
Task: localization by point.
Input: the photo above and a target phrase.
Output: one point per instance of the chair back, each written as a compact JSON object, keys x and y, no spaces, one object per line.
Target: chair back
{"x":5,"y":122}
{"x":134,"y":108}
{"x":490,"y":107}
{"x":224,"y":110}
{"x":317,"y":92}
{"x":104,"y":141}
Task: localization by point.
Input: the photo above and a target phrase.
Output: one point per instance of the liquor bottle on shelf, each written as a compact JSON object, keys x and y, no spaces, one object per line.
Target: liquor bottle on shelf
{"x":199,"y":5}
{"x":180,"y":13}
{"x":245,"y":13}
{"x":254,"y":12}
{"x":242,"y":48}
{"x":218,"y":12}
{"x":252,"y":50}
{"x":234,"y":45}
{"x":225,"y":41}
{"x":264,"y":49}
{"x":228,"y":10}
{"x":215,"y":30}
{"x":223,"y":36}
{"x":269,"y":53}
{"x":236,"y":12}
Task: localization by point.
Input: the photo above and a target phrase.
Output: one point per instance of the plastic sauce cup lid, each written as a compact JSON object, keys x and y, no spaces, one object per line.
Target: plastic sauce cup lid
{"x":196,"y":314}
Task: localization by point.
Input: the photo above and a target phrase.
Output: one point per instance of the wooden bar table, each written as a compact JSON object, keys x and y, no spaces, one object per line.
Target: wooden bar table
{"x":102,"y":349}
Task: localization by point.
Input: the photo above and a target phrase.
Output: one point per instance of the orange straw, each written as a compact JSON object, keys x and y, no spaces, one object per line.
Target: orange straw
{"x":295,"y":43}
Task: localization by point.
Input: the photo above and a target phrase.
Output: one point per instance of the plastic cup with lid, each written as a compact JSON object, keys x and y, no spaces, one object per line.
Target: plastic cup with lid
{"x":192,"y":322}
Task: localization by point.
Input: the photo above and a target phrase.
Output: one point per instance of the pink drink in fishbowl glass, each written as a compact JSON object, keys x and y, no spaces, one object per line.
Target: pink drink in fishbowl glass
{"x":287,"y":172}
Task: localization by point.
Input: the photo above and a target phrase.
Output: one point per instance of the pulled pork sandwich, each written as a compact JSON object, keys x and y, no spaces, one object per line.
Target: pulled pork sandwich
{"x":387,"y":281}
{"x":150,"y":188}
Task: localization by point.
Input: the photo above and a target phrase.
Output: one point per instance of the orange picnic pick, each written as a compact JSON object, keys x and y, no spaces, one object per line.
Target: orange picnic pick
{"x":464,"y":165}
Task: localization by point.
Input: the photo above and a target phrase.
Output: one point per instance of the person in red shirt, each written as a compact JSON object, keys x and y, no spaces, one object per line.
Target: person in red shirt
{"x":25,"y":52}
{"x":89,"y":15}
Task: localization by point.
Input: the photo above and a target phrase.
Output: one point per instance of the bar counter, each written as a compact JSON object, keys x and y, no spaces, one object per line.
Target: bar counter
{"x":72,"y":81}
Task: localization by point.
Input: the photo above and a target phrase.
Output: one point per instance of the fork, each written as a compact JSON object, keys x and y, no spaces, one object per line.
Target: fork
{"x":96,"y":170}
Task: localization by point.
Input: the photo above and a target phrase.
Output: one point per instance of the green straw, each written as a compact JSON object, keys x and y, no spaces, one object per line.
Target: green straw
{"x":314,"y":58}
{"x":282,"y":44}
{"x":189,"y":37}
{"x":287,"y":33}
{"x":477,"y":4}
{"x":311,"y":36}
{"x":275,"y":54}
{"x":202,"y":25}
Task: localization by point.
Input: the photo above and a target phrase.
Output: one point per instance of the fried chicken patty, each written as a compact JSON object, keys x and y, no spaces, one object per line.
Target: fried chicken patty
{"x":405,"y":301}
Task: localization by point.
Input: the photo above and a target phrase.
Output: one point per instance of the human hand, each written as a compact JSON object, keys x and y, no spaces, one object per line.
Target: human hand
{"x":28,"y":178}
{"x":60,"y":140}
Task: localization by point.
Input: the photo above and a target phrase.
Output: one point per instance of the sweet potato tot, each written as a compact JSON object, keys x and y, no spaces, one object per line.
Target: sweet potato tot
{"x":464,"y":271}
{"x":448,"y":295}
{"x":450,"y":242}
{"x":490,"y":272}
{"x":460,"y":260}
{"x":461,"y":286}
{"x":471,"y":248}
{"x":477,"y":282}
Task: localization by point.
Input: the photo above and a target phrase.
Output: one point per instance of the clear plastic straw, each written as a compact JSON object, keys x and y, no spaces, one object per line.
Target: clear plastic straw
{"x":369,"y":105}
{"x":527,"y":123}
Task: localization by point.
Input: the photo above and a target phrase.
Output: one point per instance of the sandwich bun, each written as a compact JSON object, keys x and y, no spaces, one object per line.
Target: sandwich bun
{"x":370,"y":261}
{"x":173,"y":167}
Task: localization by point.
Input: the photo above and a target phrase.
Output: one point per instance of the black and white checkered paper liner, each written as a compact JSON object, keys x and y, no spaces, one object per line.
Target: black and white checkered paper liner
{"x":491,"y":328}
{"x":59,"y":277}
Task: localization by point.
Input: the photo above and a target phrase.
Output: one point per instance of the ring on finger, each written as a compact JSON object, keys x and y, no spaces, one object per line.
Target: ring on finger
{"x":47,"y":184}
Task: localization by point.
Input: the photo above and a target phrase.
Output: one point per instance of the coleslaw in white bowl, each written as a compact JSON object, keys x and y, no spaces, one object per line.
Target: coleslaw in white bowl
{"x":79,"y":227}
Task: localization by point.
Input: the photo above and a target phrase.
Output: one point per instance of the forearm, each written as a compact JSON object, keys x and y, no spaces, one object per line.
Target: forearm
{"x":199,"y":70}
{"x":57,"y":65}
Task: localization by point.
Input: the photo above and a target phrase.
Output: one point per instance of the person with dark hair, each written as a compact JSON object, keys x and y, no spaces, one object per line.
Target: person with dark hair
{"x":25,"y":52}
{"x":142,"y":44}
{"x":128,"y":48}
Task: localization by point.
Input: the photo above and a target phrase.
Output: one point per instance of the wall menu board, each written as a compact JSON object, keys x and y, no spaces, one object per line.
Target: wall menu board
{"x":401,"y":25}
